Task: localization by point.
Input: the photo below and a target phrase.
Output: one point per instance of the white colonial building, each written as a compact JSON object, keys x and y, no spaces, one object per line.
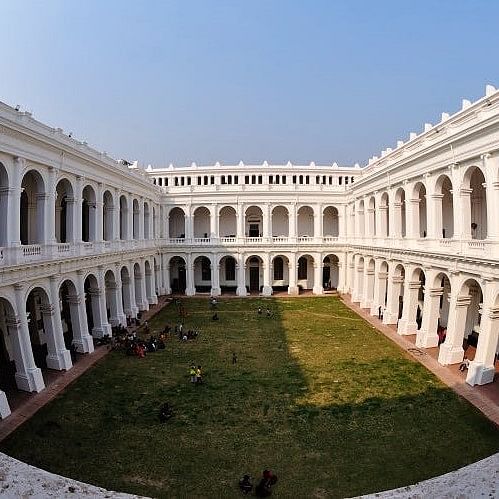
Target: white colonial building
{"x":86,"y":240}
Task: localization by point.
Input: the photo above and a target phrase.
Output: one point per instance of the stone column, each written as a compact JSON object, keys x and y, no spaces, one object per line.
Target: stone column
{"x":153,"y":297}
{"x":189,"y":268}
{"x":81,"y":337}
{"x":129,"y":218}
{"x":28,"y":376}
{"x":99,"y":312}
{"x":166,"y":277}
{"x":318,"y":289}
{"x":267,"y":223}
{"x":189,"y":224}
{"x":99,"y":215}
{"x":143,"y":303}
{"x":427,"y":336}
{"x":412,"y":218}
{"x":215,"y":276}
{"x":292,"y":223}
{"x":451,"y":351}
{"x":240,"y":224}
{"x":391,"y":312}
{"x":116,"y":215}
{"x":134,"y":309}
{"x":482,"y":368}
{"x":46,"y":210}
{"x":58,"y":357}
{"x":214,"y":223}
{"x":490,"y":167}
{"x":357,"y":295}
{"x":14,"y":205}
{"x":342,"y":225}
{"x":4,"y":406}
{"x":367,"y":287}
{"x":380,"y":279}
{"x":407,"y":323}
{"x":292,"y":271}
{"x":342,"y":273}
{"x":241,"y":277}
{"x":120,"y":313}
{"x":318,"y":223}
{"x":267,"y":287}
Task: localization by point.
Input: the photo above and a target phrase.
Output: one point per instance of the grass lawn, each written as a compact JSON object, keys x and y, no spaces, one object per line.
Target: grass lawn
{"x":318,"y":395}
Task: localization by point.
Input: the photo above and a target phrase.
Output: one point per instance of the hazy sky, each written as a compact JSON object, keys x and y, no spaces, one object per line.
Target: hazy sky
{"x":252,"y":80}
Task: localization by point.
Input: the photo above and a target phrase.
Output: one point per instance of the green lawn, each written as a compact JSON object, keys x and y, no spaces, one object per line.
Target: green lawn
{"x":317,"y":395}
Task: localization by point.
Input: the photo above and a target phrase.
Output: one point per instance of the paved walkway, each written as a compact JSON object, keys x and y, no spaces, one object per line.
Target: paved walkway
{"x":56,"y":382}
{"x":479,"y":398}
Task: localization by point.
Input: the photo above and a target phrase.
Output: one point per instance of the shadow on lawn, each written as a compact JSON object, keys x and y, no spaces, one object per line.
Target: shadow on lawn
{"x":254,"y":414}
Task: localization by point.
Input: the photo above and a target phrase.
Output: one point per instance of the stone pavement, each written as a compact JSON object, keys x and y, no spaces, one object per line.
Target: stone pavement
{"x":450,"y":377}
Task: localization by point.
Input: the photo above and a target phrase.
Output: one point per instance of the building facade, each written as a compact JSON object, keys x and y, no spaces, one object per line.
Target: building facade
{"x":86,"y":241}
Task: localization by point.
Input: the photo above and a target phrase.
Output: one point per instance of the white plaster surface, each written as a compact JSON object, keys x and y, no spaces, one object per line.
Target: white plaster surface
{"x":480,"y":479}
{"x":20,"y":480}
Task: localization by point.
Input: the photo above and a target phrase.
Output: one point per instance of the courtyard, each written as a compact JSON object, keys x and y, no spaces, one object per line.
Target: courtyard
{"x":317,"y":395}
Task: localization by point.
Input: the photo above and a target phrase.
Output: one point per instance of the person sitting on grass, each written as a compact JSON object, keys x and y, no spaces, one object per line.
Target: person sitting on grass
{"x":165,"y":413}
{"x":192,"y":373}
{"x":199,"y":376}
{"x":245,"y":484}
{"x":264,"y":487}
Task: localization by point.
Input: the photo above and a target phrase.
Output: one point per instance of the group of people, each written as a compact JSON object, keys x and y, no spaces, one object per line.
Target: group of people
{"x":264,"y":487}
{"x":132,"y":345}
{"x":196,"y":374}
{"x":268,"y":312}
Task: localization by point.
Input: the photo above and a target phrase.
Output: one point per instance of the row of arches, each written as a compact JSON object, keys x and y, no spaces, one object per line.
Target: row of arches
{"x":422,"y":211}
{"x":40,"y":326}
{"x":216,"y":274}
{"x":255,"y":222}
{"x":67,"y":215}
{"x":454,"y":314}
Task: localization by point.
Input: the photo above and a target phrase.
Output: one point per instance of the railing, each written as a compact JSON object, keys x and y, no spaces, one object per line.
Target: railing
{"x":280,"y":239}
{"x":63,"y":248}
{"x":227,"y":240}
{"x":254,"y":240}
{"x":1,"y":254}
{"x":107,"y":245}
{"x":476,"y":245}
{"x":88,"y":247}
{"x":177,"y":240}
{"x":305,"y":239}
{"x":32,"y":250}
{"x":202,"y":240}
{"x":330,"y":239}
{"x":445,"y":242}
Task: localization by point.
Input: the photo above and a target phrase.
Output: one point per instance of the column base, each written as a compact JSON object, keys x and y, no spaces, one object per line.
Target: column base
{"x":102,"y":330}
{"x":450,"y":355}
{"x":59,"y":361}
{"x":356,"y":298}
{"x":365,"y":304}
{"x":267,"y":291}
{"x":31,"y":381}
{"x":215,"y":292}
{"x":407,"y":328}
{"x":153,"y":300}
{"x":84,"y":345}
{"x":478,"y":374}
{"x":241,"y":291}
{"x":318,"y":290}
{"x":390,"y":318}
{"x":425,"y":340}
{"x":190,"y":291}
{"x":143,"y":306}
{"x":4,"y":406}
{"x":293,"y":290}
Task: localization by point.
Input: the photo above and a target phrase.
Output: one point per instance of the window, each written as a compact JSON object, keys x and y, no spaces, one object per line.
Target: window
{"x":284,"y":179}
{"x":260,"y":179}
{"x":324,"y":179}
{"x":278,"y":269}
{"x":205,"y":269}
{"x":182,"y":180}
{"x":229,"y":179}
{"x":307,"y":179}
{"x":346,"y":180}
{"x":212,"y":180}
{"x":302,"y":268}
{"x":236,"y":179}
{"x":271,"y":179}
{"x":223,"y":179}
{"x":199,"y":180}
{"x":277,"y":179}
{"x":330,"y":180}
{"x":317,"y":179}
{"x":253,"y":179}
{"x":301,"y":179}
{"x":154,"y":181}
{"x":246,"y":179}
{"x":294,"y":179}
{"x":230,"y":269}
{"x":166,"y":182}
{"x":188,"y":180}
{"x":205,"y":180}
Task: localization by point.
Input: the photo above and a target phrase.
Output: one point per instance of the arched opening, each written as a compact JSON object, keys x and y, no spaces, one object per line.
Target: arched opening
{"x":202,"y":223}
{"x":330,"y":222}
{"x":4,"y":202}
{"x":150,"y":291}
{"x":147,"y":221}
{"x":69,"y":314}
{"x":178,"y":275}
{"x":399,"y":215}
{"x":420,"y":210}
{"x":361,"y":220}
{"x":330,"y":272}
{"x":280,"y":222}
{"x":107,"y":216}
{"x":124,"y":218}
{"x":202,"y":274}
{"x":305,"y":278}
{"x":227,"y":222}
{"x":176,"y":223}
{"x":64,"y":203}
{"x":398,"y":281}
{"x":477,"y":204}
{"x":385,"y":216}
{"x":127,"y":296}
{"x":32,"y":201}
{"x":111,"y":298}
{"x":305,"y":222}
{"x":254,"y":274}
{"x":445,"y":208}
{"x":228,"y":274}
{"x":371,"y":217}
{"x":46,"y":339}
{"x":136,"y":221}
{"x":253,"y":222}
{"x":280,"y":273}
{"x":89,"y":214}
